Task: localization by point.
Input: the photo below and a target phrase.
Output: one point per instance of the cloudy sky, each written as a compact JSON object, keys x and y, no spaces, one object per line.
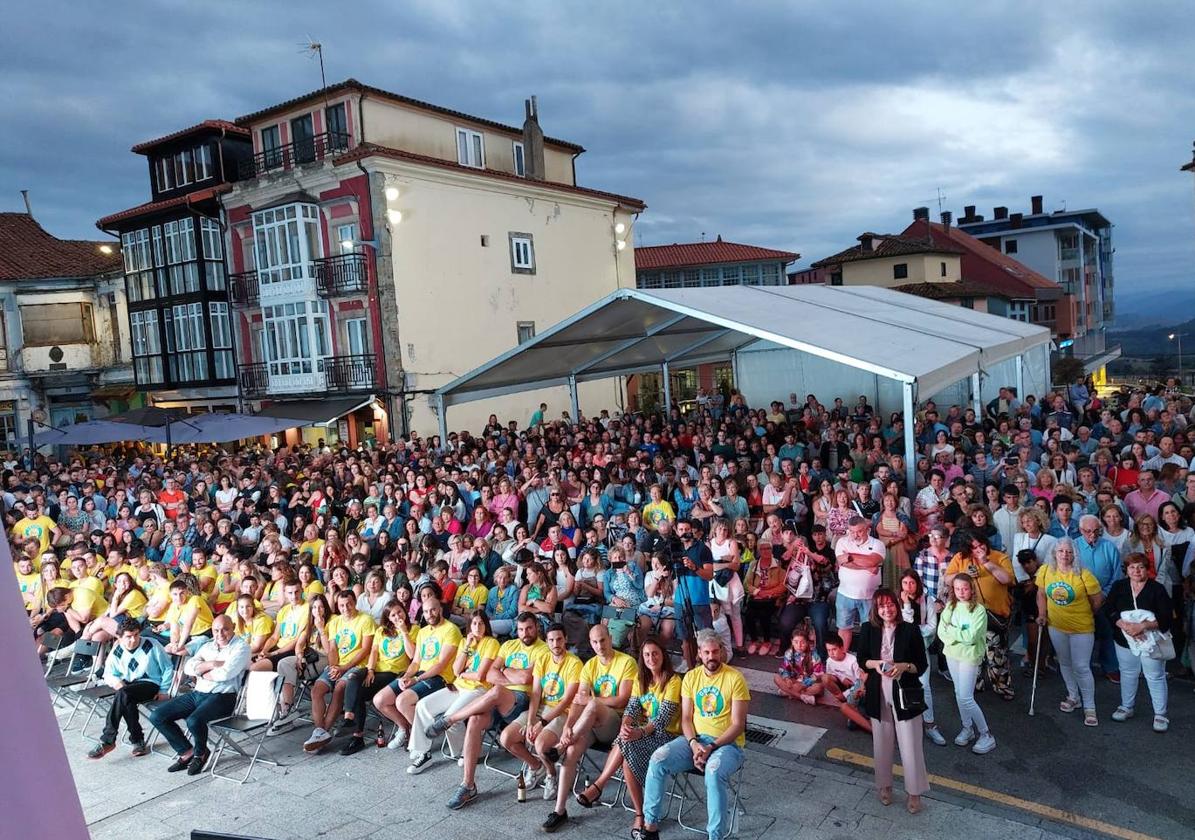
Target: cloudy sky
{"x":793,"y":125}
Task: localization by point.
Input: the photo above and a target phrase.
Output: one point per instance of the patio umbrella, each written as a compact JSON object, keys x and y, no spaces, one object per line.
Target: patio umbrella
{"x":216,"y":428}
{"x":94,"y":431}
{"x":170,"y":420}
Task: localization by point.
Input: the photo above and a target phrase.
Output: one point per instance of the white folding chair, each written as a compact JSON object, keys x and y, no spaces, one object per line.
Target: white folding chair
{"x":249,"y":724}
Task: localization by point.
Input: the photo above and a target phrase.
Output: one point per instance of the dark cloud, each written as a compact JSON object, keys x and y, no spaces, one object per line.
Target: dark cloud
{"x":794,"y":126}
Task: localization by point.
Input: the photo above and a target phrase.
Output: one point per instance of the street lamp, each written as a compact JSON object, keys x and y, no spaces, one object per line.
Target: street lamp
{"x":1179,"y":338}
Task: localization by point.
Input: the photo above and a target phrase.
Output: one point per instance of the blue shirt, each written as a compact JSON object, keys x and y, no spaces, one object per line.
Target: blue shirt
{"x":697,"y":588}
{"x":1101,"y":559}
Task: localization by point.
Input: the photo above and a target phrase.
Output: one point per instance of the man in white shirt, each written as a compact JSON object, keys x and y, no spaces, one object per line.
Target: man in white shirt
{"x":1008,"y":518}
{"x":860,"y":558}
{"x":218,"y":667}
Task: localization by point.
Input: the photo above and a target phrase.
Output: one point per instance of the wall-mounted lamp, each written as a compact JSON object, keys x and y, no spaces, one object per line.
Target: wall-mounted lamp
{"x":391,"y":193}
{"x":105,"y":249}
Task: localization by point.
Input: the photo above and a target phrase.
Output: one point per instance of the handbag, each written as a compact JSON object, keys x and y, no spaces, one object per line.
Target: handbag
{"x":909,"y":699}
{"x":803,"y":589}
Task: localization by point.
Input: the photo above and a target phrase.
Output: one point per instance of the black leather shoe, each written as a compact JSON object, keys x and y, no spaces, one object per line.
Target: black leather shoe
{"x":354,"y":746}
{"x":195,"y":765}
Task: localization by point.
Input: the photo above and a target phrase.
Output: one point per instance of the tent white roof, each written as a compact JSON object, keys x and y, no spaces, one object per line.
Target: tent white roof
{"x":924,"y":343}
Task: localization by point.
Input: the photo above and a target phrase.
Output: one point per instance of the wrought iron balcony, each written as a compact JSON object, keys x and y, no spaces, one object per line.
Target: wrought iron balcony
{"x":335,"y":374}
{"x":347,"y":274}
{"x":244,"y":288}
{"x":351,"y":373}
{"x":254,"y":379}
{"x":294,"y":154}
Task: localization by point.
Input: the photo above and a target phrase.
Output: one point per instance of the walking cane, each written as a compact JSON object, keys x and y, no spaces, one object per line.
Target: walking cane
{"x":1036,"y":666}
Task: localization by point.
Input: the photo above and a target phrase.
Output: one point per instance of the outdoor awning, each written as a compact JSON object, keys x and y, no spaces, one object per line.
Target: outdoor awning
{"x":926,"y":344}
{"x":113,"y":391}
{"x":315,"y":412}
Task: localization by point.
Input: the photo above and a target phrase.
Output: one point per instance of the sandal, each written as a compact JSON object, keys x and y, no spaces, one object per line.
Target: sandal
{"x":885,"y":796}
{"x":751,"y":648}
{"x":913,"y":806}
{"x":1068,"y":705}
{"x":1089,"y":718}
{"x":584,"y":801}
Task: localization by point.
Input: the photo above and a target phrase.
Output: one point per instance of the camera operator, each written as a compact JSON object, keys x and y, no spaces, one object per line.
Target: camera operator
{"x":693,"y":565}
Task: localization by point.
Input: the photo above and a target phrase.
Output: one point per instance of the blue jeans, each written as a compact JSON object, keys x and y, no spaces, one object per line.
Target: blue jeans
{"x":1131,"y":669}
{"x":198,"y":709}
{"x":677,"y":757}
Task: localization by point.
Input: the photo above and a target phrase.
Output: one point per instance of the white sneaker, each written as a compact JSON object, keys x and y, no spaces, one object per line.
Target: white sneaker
{"x":399,"y":740}
{"x":985,"y":744}
{"x":460,"y":762}
{"x":319,"y":737}
{"x":534,"y":778}
{"x":419,"y":762}
{"x":1122,"y":714}
{"x":935,"y":735}
{"x":1161,"y":723}
{"x":549,"y":787}
{"x":965,"y":737}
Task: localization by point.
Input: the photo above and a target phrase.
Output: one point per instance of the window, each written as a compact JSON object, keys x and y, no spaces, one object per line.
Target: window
{"x":203,"y":162}
{"x":147,"y":347}
{"x":525,"y":331}
{"x":522,"y":253}
{"x":750,"y":275}
{"x":286,"y":240}
{"x":165,"y":172}
{"x":1018,"y":310}
{"x":730,"y":275}
{"x":769,"y":274}
{"x":336,"y":125}
{"x":692,"y":278}
{"x":184,"y":168}
{"x":1010,"y":246}
{"x":710,"y":277}
{"x":290,"y":330}
{"x":271,"y":142}
{"x":967,"y":303}
{"x":470,"y":150}
{"x":356,"y":334}
{"x":302,"y":137}
{"x":221,"y":341}
{"x":943,"y":269}
{"x":139,"y":262}
{"x":45,"y":324}
{"x":186,"y":342}
{"x":647,"y":280}
{"x":8,"y":424}
{"x":900,"y":271}
{"x":209,"y":230}
{"x":180,"y":256}
{"x":346,"y":233}
{"x":520,"y":161}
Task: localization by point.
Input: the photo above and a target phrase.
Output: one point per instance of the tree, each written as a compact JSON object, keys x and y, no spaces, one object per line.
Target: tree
{"x":1068,"y":370}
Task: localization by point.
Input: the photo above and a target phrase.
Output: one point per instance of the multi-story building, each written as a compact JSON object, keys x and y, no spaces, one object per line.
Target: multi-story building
{"x":382,"y":246}
{"x":62,"y":313}
{"x":693,"y":265}
{"x":173,"y":248}
{"x":1072,"y":248}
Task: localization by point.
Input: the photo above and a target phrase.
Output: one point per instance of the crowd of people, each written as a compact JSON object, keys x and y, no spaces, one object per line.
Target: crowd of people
{"x":529,"y":586}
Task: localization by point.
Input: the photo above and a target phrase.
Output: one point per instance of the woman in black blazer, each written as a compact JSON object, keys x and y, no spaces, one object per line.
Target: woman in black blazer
{"x":892,"y":653}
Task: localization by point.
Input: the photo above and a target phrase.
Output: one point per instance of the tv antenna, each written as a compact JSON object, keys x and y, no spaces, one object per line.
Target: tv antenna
{"x":940,"y":199}
{"x":315,"y":49}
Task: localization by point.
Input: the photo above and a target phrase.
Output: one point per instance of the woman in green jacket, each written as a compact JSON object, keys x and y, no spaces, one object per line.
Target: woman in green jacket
{"x":963,"y":627}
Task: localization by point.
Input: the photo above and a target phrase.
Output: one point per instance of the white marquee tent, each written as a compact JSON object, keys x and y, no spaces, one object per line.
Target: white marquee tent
{"x":900,"y":342}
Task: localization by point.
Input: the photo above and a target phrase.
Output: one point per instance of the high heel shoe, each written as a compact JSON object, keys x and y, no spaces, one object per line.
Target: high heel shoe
{"x":885,"y":796}
{"x":913,"y":806}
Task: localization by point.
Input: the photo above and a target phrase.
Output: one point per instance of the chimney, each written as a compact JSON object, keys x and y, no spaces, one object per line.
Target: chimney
{"x":947,"y":217}
{"x":969,"y":213}
{"x":28,"y":206}
{"x":920,"y":213}
{"x":865,"y":242}
{"x":533,"y":141}
{"x":999,"y":213}
{"x":1035,"y":202}
{"x":1015,"y":219}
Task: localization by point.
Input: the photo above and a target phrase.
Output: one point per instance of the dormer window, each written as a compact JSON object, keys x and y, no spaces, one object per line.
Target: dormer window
{"x":182,"y":168}
{"x":470,"y":148}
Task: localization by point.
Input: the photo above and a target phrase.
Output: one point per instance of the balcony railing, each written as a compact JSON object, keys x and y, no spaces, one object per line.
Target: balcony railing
{"x":294,"y":154}
{"x":244,"y":289}
{"x":344,"y":275}
{"x":336,"y":374}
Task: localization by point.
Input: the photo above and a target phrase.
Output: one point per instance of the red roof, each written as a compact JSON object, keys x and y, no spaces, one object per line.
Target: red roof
{"x":368,"y":149}
{"x":29,"y":252}
{"x":165,"y":204}
{"x":986,"y":265}
{"x":886,"y":245}
{"x":206,"y":125}
{"x":705,"y":253}
{"x":949,"y":291}
{"x":353,"y":84}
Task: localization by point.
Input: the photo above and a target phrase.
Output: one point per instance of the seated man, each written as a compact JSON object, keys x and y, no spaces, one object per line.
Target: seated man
{"x":714,"y":702}
{"x":509,"y":678}
{"x":606,"y":684}
{"x":218,"y":667}
{"x":538,"y":730}
{"x":138,"y":670}
{"x":289,"y":627}
{"x":188,"y":619}
{"x":350,"y":639}
{"x":430,"y":672}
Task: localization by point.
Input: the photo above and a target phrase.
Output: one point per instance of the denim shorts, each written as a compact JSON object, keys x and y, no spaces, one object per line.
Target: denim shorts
{"x":421,"y":688}
{"x":357,"y":673}
{"x":501,"y":721}
{"x":850,"y":612}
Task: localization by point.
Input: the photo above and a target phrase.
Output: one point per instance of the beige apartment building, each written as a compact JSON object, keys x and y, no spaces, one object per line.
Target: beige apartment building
{"x":381,"y":246}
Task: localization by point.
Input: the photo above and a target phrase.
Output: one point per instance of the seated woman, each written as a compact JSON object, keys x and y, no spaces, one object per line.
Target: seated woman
{"x":502,"y":602}
{"x":656,"y":613}
{"x":252,"y":624}
{"x":470,"y":597}
{"x":128,"y":601}
{"x":538,"y":596}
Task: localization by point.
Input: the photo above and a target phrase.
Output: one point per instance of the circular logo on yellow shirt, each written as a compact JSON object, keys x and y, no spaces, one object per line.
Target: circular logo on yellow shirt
{"x":430,"y":649}
{"x":518,"y":660}
{"x":1060,"y":593}
{"x":709,"y":701}
{"x":605,"y":686}
{"x":467,"y":602}
{"x":553,"y":687}
{"x":391,"y":648}
{"x":346,"y":641}
{"x":650,"y":705}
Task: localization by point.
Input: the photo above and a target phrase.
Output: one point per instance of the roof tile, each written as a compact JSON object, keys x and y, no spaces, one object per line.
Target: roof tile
{"x":987,"y":265}
{"x":29,"y":252}
{"x":165,"y":204}
{"x":705,"y":253}
{"x":212,"y":125}
{"x":888,"y":245}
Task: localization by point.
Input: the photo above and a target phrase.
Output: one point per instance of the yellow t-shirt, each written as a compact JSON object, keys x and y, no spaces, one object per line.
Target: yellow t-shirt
{"x":555,"y":677}
{"x":89,"y":598}
{"x":292,"y":621}
{"x":134,"y":604}
{"x":1067,"y":607}
{"x":392,"y":655}
{"x":312,"y":589}
{"x":38,"y":529}
{"x":487,"y":648}
{"x":651,"y":699}
{"x":203,"y":615}
{"x":30,"y":586}
{"x":469,"y":598}
{"x":312,"y":547}
{"x":261,"y":625}
{"x":226,"y":589}
{"x":656,"y":512}
{"x":109,"y":573}
{"x":515,"y":654}
{"x":712,"y":699}
{"x":348,"y":634}
{"x":431,"y":643}
{"x":207,"y":577}
{"x":605,"y":680}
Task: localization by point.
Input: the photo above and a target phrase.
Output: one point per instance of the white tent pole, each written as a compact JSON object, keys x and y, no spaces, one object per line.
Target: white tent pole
{"x":572,"y":397}
{"x":976,"y":399}
{"x":442,"y":415}
{"x":667,"y":389}
{"x":1020,"y":363}
{"x":734,"y":370}
{"x":910,"y":441}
